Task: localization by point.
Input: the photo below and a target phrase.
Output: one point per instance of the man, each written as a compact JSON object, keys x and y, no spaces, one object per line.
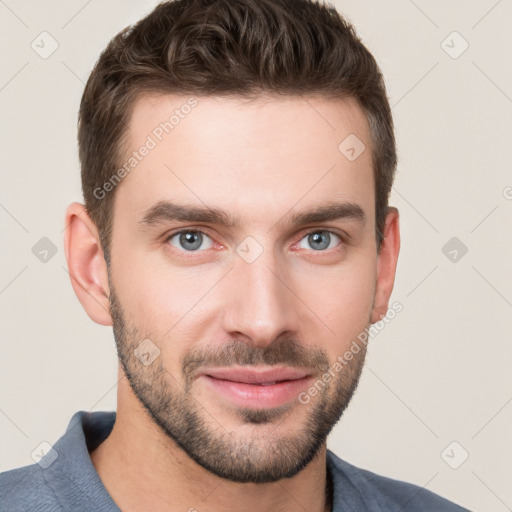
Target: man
{"x":237,"y":158}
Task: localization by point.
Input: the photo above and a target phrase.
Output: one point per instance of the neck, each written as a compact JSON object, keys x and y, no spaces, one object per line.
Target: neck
{"x":143,"y":469}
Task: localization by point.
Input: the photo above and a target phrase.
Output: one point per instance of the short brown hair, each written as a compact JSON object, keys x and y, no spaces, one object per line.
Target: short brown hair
{"x":239,"y":48}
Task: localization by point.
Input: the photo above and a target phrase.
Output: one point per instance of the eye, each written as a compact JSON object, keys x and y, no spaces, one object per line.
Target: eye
{"x":320,"y":240}
{"x":190,"y":240}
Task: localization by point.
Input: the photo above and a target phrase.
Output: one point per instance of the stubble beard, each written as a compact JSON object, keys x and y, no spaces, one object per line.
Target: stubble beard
{"x":261,"y":458}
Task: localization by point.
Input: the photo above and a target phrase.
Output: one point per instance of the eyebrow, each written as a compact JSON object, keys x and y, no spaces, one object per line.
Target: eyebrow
{"x":166,"y":211}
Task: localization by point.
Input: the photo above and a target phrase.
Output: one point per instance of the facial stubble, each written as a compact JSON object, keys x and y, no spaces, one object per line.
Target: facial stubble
{"x":269,"y":457}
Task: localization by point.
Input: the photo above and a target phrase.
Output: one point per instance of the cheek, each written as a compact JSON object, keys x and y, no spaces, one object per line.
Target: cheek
{"x":151,"y":296}
{"x":164,"y":302}
{"x":156,"y":302}
{"x":343,"y":300}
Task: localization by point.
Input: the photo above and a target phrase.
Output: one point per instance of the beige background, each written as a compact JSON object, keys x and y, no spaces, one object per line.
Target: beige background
{"x":439,"y":372}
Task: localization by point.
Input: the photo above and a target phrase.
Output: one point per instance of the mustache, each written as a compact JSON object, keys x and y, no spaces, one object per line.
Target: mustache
{"x":284,"y":351}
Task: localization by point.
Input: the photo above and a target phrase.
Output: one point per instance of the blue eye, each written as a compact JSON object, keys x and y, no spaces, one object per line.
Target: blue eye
{"x":189,"y":240}
{"x":320,"y":240}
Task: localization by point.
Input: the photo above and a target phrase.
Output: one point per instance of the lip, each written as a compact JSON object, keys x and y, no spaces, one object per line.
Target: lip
{"x":257,"y":388}
{"x":253,"y":376}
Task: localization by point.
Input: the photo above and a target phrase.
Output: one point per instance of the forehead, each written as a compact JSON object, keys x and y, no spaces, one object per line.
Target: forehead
{"x":251,"y":158}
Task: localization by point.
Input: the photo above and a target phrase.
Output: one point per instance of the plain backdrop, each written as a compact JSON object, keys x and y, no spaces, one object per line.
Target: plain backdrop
{"x":434,"y":406}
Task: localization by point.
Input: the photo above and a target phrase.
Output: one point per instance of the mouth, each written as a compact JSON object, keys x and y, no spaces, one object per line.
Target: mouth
{"x":262,"y":388}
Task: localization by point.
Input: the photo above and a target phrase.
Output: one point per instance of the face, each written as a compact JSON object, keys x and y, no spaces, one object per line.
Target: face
{"x":244,"y":265}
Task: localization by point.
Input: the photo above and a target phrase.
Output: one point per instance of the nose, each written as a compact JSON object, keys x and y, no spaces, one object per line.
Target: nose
{"x":260,"y":303}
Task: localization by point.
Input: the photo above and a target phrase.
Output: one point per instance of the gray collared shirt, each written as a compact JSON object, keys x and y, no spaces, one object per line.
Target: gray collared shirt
{"x":66,"y":480}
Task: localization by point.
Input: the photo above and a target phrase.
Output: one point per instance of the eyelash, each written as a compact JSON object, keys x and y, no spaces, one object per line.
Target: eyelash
{"x":304,"y":235}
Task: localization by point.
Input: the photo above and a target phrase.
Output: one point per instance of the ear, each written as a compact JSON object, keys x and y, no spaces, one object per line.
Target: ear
{"x":386,"y":265}
{"x":86,"y":264}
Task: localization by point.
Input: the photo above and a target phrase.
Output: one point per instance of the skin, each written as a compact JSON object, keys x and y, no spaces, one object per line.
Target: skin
{"x":270,"y":158}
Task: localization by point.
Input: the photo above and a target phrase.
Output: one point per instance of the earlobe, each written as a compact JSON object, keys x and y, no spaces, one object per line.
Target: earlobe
{"x":86,"y":264}
{"x":386,"y":265}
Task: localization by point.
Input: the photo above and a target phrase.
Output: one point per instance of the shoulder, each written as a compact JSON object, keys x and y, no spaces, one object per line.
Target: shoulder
{"x":386,"y":494}
{"x":26,"y":489}
{"x":64,"y":478}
